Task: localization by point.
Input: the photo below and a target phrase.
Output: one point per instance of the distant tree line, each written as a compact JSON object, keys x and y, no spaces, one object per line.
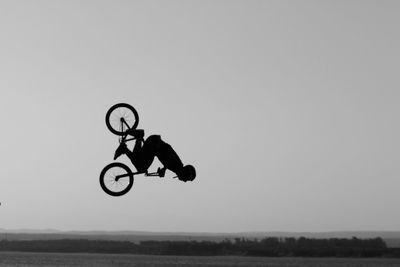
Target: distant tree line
{"x":267,"y":247}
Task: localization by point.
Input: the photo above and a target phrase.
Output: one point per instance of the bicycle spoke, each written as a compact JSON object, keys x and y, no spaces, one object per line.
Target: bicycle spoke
{"x":123,"y":115}
{"x":115,"y":116}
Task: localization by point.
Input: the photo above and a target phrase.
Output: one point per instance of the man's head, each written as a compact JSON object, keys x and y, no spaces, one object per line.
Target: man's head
{"x":188,"y":173}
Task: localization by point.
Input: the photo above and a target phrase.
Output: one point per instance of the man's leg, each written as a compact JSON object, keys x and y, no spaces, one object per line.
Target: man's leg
{"x":143,"y":154}
{"x":147,"y":152}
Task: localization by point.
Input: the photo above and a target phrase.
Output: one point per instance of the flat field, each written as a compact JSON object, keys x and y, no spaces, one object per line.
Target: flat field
{"x":22,"y":259}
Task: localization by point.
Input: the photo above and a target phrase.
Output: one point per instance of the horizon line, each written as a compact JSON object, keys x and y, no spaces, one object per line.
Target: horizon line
{"x":43,"y":230}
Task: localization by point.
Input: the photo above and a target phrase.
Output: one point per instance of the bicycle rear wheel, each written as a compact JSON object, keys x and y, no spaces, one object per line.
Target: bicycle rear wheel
{"x":121,"y":117}
{"x":116,"y":179}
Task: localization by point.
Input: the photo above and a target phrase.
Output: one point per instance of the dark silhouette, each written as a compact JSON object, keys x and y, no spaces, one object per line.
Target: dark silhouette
{"x":267,"y":247}
{"x":116,"y":179}
{"x":144,"y":152}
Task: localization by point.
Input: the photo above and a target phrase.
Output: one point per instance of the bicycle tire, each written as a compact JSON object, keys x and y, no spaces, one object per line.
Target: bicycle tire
{"x":118,"y":111}
{"x":106,"y":174}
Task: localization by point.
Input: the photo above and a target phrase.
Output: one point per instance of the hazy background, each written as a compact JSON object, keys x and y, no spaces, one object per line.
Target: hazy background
{"x":288,"y":109}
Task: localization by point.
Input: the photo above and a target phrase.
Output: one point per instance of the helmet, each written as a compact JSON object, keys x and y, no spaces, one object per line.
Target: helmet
{"x":188,"y":173}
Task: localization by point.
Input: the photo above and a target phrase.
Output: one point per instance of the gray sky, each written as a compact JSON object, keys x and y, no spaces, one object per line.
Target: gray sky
{"x":288,"y":109}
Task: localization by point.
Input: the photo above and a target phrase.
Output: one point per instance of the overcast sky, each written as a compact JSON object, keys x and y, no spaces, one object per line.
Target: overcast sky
{"x":289,"y":110}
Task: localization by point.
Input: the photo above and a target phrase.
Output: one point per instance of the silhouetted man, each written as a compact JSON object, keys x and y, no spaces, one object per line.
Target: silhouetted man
{"x":144,"y":152}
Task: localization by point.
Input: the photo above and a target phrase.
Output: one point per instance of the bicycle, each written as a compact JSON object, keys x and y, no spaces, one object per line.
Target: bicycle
{"x":116,"y":179}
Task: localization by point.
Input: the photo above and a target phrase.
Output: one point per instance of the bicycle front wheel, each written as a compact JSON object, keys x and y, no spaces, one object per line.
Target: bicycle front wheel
{"x":116,"y":179}
{"x":121,"y":117}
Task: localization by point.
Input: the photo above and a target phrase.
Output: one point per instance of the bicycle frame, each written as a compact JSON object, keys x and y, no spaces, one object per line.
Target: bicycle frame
{"x":123,"y":139}
{"x":125,"y":175}
{"x":135,"y":173}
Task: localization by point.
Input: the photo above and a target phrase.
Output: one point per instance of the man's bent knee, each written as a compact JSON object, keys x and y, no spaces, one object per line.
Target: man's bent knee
{"x":152,"y":143}
{"x":153,"y":139}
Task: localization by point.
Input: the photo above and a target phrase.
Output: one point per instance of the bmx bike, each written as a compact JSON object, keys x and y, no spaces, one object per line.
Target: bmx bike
{"x":116,"y":179}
